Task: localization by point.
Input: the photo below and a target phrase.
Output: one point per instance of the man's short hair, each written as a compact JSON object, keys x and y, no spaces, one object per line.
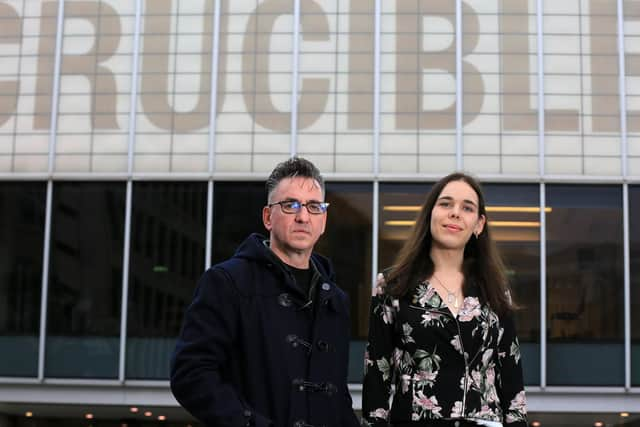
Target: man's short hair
{"x":294,"y":167}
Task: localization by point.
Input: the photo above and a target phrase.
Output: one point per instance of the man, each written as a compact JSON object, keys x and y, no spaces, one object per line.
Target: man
{"x":265,"y":341}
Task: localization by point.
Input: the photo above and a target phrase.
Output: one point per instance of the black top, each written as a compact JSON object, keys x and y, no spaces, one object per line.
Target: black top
{"x":303,"y":279}
{"x":443,"y":366}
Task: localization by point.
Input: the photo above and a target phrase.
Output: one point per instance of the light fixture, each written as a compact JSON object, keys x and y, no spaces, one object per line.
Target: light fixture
{"x":535,"y":424}
{"x":399,"y":223}
{"x":148,"y":414}
{"x":598,"y":424}
{"x":88,"y":416}
{"x":28,"y":414}
{"x":518,"y":209}
{"x":134,"y":410}
{"x":523,"y":209}
{"x":515,"y":224}
{"x":161,"y":418}
{"x":624,"y":414}
{"x":395,"y":208}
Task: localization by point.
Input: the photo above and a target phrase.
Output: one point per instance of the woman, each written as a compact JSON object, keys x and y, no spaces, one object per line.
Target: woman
{"x":441,"y":329}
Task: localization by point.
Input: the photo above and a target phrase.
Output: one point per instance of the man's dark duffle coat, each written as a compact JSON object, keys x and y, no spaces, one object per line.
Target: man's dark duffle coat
{"x":253,"y":352}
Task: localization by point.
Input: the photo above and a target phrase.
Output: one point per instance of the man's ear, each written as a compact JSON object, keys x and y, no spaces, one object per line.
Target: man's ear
{"x":266,"y":217}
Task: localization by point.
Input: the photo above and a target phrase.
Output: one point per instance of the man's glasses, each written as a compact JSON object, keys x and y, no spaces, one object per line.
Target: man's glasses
{"x":294,"y":206}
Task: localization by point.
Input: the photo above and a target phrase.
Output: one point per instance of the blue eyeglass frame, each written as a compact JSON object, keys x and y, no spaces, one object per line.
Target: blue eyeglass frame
{"x":323,"y":206}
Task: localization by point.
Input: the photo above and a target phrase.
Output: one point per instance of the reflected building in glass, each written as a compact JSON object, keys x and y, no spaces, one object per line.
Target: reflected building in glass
{"x":136,"y":136}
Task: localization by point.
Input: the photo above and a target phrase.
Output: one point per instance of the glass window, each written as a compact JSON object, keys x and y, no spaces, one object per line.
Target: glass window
{"x":399,"y":205}
{"x":513,"y":211}
{"x":514,"y":218}
{"x":634,"y":257}
{"x":585,"y":285}
{"x":237,"y":212}
{"x":347,"y":242}
{"x":85,"y":280}
{"x":168,"y":230}
{"x":22,"y":211}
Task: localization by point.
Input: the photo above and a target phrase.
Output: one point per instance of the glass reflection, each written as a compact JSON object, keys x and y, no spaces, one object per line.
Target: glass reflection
{"x":168,"y":229}
{"x":514,"y":217}
{"x":237,"y":212}
{"x":85,"y":280}
{"x":347,"y":242}
{"x":585,"y":285}
{"x":22,"y":210}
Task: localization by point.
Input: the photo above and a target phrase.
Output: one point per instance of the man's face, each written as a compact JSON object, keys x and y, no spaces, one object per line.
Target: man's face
{"x":294,"y":234}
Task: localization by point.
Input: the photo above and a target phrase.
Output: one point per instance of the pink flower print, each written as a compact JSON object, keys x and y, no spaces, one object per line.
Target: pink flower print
{"x":470,"y":309}
{"x":379,"y":413}
{"x":404,"y":382}
{"x":455,"y":342}
{"x":477,"y":378}
{"x":491,"y":376}
{"x":387,"y":314}
{"x":425,"y":376}
{"x":456,"y":411}
{"x":380,"y":282}
{"x":398,"y":354}
{"x":428,"y":403}
{"x":518,"y":404}
{"x":486,"y":357}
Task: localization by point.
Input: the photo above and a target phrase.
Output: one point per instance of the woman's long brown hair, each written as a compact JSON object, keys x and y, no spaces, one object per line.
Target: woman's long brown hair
{"x":482,"y":264}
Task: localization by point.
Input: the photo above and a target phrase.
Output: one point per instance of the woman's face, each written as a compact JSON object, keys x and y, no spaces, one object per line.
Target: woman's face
{"x":455,"y":216}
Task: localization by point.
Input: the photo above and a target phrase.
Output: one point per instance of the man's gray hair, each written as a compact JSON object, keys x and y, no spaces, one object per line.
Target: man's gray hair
{"x":294,"y":167}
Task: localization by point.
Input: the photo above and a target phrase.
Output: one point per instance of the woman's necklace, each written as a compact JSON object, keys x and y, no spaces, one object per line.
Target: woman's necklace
{"x":452,"y":297}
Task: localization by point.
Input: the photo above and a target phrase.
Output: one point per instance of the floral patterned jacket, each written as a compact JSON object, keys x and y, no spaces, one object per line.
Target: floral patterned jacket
{"x":441,"y":366}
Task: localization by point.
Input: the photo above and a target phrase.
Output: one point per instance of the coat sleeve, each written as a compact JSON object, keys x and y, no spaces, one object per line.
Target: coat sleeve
{"x":378,"y":359}
{"x":202,"y":353}
{"x":511,"y":384}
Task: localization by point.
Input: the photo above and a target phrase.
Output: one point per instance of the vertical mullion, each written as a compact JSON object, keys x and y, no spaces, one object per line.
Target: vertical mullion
{"x":55,"y":91}
{"x":376,"y":139}
{"x":45,"y":281}
{"x":126,"y":251}
{"x":459,"y":86}
{"x":622,"y":91}
{"x":376,"y":87}
{"x":55,"y":95}
{"x":627,"y":286}
{"x":213,"y":112}
{"x":543,"y":286}
{"x":622,"y":97}
{"x":540,"y":75}
{"x":125,"y":282}
{"x":295,"y":75}
{"x":543,"y":199}
{"x":209,"y":226}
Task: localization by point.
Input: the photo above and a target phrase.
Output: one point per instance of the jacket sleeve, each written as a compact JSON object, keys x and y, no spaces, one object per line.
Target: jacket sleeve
{"x":378,"y":359}
{"x":511,"y":384}
{"x":200,"y":360}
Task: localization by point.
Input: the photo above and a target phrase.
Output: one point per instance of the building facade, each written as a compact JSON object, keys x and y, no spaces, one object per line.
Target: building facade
{"x":136,"y":135}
